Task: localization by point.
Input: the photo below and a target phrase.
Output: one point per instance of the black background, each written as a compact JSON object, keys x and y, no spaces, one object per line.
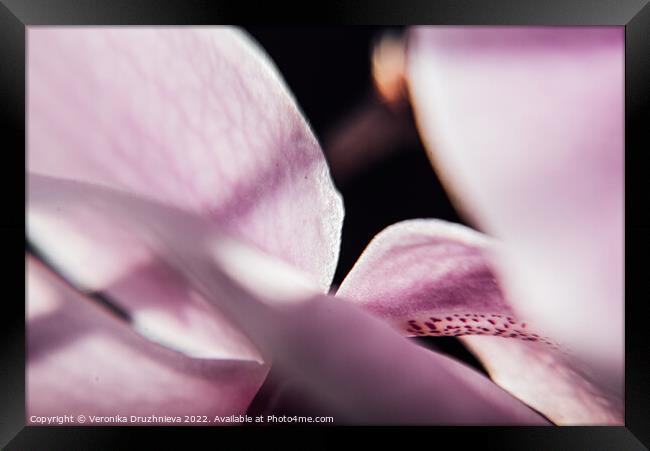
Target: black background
{"x":634,"y":14}
{"x":328,"y":69}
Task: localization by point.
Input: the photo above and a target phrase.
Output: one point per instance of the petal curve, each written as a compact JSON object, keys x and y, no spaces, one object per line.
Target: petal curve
{"x":360,"y":368}
{"x":195,"y":118}
{"x":526,"y":127}
{"x":430,"y":277}
{"x":82,"y":360}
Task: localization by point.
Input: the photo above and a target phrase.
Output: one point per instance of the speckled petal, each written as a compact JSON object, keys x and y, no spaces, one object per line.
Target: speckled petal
{"x":525,"y":125}
{"x":359,"y":368}
{"x":433,"y":278}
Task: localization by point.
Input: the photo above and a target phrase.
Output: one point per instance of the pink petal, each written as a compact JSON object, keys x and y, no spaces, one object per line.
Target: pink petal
{"x":422,"y":267}
{"x":355,"y":365}
{"x":86,"y":246}
{"x":195,"y":118}
{"x":526,"y":126}
{"x":429,"y":277}
{"x":83,"y":360}
{"x":365,"y":373}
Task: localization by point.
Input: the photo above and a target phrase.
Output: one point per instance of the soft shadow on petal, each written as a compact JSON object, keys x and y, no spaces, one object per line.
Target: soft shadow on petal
{"x":366,"y":373}
{"x":195,"y":118}
{"x":356,"y":366}
{"x":525,"y":124}
{"x":82,"y":235}
{"x":430,"y":277}
{"x":83,"y":360}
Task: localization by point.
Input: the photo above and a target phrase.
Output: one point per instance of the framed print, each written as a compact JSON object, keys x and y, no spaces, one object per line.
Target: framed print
{"x":424,"y":218}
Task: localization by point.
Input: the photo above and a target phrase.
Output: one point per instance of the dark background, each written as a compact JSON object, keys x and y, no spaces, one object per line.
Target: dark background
{"x":329,"y":72}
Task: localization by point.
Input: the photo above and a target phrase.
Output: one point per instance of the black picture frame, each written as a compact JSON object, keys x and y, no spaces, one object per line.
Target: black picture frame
{"x":16,"y":15}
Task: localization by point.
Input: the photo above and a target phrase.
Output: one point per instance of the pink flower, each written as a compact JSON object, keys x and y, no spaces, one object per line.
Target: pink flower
{"x":170,"y":170}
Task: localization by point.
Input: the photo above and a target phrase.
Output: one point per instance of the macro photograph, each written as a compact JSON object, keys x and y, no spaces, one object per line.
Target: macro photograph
{"x":185,"y":225}
{"x":419,"y":220}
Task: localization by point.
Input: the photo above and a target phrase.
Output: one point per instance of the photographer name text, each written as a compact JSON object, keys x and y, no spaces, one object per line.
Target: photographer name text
{"x":165,"y":419}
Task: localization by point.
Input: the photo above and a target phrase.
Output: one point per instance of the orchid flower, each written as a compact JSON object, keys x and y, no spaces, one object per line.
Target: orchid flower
{"x":171,"y":171}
